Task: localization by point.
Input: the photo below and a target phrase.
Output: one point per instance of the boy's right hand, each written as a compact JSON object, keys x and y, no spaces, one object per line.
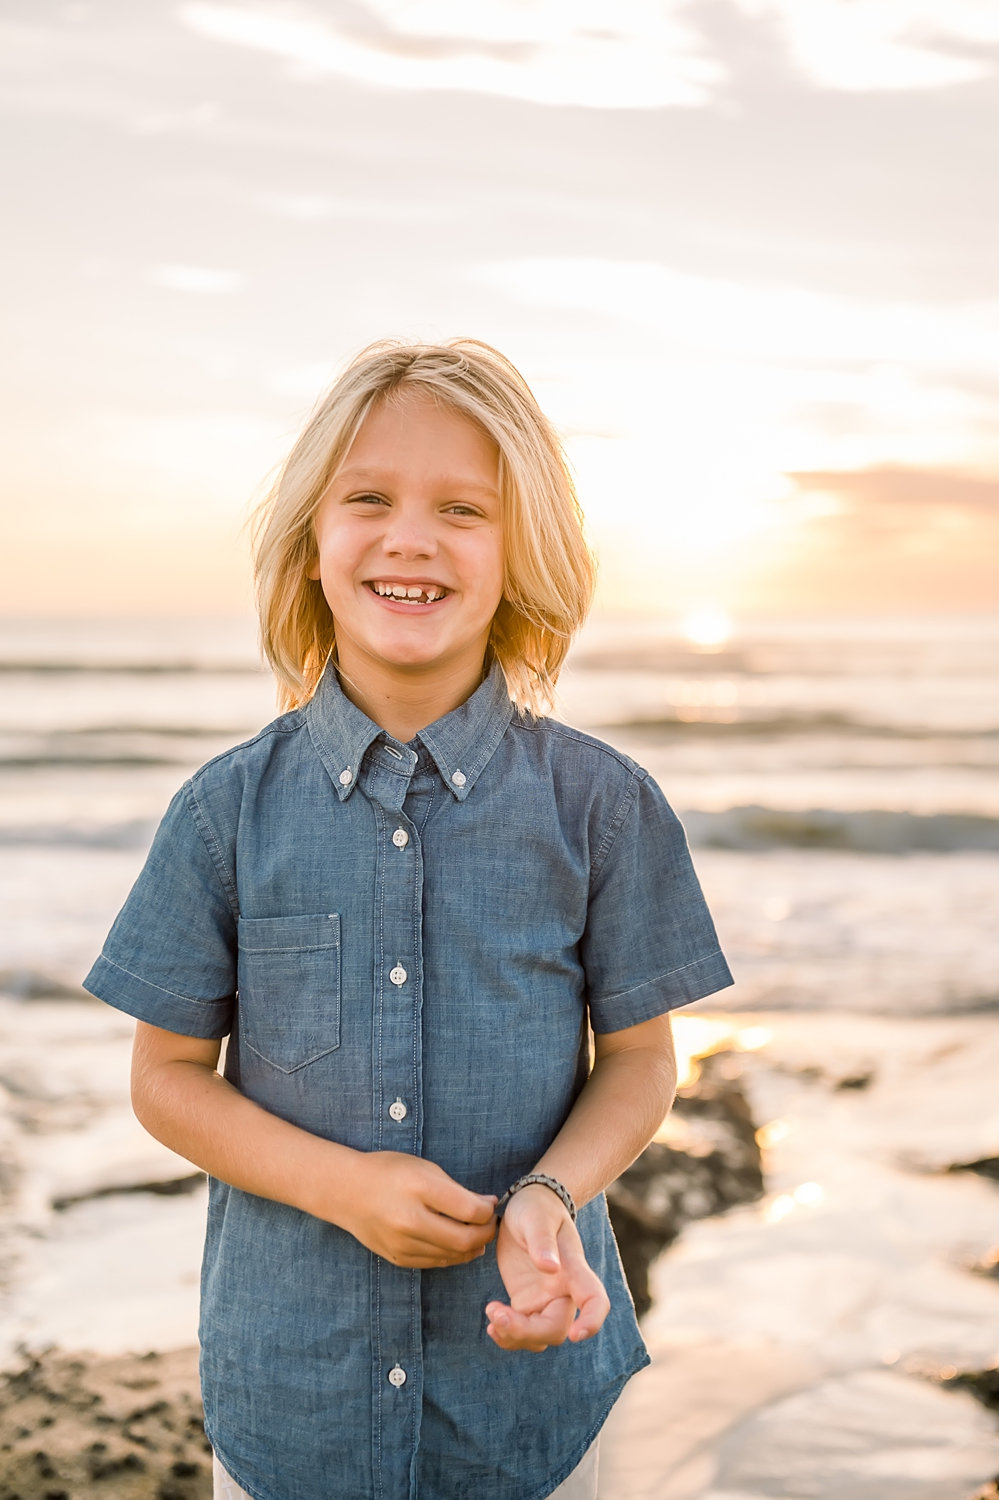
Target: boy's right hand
{"x":410,"y":1212}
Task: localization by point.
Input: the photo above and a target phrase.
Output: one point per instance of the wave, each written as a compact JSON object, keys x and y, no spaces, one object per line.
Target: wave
{"x":133,"y":833}
{"x":719,"y":722}
{"x":181,"y":667}
{"x":118,"y":745}
{"x":863,"y":832}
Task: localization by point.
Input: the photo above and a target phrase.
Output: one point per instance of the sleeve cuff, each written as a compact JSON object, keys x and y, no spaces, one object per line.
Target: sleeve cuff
{"x":209,"y":1019}
{"x":664,"y":993}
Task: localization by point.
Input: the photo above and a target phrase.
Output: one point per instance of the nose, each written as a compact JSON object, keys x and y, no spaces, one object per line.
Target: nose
{"x":409,"y":534}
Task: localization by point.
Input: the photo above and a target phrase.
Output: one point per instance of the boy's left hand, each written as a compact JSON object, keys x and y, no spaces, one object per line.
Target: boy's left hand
{"x":546,"y":1275}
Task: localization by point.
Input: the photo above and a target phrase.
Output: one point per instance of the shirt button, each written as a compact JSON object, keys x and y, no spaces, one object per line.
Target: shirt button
{"x":398,"y":1111}
{"x":459,"y":778}
{"x":400,"y":838}
{"x":346,"y":777}
{"x":398,"y":975}
{"x":397,"y":1376}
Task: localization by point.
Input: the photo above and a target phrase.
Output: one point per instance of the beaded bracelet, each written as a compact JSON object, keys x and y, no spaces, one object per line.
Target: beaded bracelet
{"x":544,"y":1181}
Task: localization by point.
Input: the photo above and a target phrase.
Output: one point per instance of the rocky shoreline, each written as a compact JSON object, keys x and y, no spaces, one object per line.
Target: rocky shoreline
{"x":826,"y":1201}
{"x":75,"y":1426}
{"x":130,"y":1426}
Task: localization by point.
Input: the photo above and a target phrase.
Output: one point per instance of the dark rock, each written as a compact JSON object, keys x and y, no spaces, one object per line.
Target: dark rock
{"x":856,"y":1081}
{"x":981,"y":1383}
{"x":31,"y":984}
{"x":715,"y":1166}
{"x":985,"y":1166}
{"x":171,"y":1187}
{"x":989,"y":1265}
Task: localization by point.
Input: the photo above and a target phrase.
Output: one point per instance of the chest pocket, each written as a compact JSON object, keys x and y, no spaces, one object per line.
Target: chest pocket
{"x":289,"y":988}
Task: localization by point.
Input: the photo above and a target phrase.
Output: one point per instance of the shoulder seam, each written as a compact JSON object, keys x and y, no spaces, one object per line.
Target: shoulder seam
{"x":278,"y":726}
{"x":580,"y":737}
{"x":210,"y":840}
{"x":617,"y":822}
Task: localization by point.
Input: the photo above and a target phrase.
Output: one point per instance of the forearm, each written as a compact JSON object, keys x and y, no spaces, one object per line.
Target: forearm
{"x":192,"y":1109}
{"x":622,"y":1105}
{"x":402,"y":1207}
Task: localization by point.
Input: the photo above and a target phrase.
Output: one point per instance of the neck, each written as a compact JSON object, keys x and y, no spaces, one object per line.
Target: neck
{"x":402,"y":705}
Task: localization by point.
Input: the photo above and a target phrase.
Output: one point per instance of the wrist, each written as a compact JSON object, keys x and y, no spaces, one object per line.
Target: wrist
{"x":331,"y":1183}
{"x":538,"y":1183}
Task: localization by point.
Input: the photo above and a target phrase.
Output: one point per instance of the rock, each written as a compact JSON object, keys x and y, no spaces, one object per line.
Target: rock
{"x":168,"y":1187}
{"x":988,"y":1491}
{"x":126,"y":1427}
{"x":32,"y":984}
{"x":981,"y":1383}
{"x":985,"y":1166}
{"x":712,"y":1164}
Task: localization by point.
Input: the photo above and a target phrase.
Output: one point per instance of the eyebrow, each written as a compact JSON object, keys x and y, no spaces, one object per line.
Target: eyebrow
{"x":448,"y":481}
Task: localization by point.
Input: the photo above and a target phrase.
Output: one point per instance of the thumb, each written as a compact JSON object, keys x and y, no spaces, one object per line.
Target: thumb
{"x":541,"y":1243}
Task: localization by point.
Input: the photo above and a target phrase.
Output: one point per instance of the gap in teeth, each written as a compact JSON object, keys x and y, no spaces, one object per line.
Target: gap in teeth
{"x":408,"y":593}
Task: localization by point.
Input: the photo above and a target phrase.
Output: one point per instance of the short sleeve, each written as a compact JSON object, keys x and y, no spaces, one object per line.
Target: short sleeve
{"x":650,"y":944}
{"x":170,"y":958}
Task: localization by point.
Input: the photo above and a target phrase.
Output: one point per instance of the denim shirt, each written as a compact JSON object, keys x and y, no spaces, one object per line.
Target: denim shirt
{"x":405,"y":944}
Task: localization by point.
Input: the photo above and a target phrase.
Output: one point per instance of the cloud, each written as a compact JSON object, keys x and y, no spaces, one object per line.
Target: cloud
{"x":202,"y":280}
{"x":557,"y":52}
{"x":711,"y":316}
{"x":919,"y":490}
{"x":883,"y":45}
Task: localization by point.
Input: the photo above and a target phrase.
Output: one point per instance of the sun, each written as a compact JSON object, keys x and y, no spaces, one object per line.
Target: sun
{"x":707,"y":628}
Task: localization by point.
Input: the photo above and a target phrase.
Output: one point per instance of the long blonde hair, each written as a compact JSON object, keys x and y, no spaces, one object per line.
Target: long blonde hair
{"x":549,"y":569}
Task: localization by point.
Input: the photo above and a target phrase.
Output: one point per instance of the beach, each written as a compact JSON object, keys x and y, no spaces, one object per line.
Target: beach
{"x":837,"y":780}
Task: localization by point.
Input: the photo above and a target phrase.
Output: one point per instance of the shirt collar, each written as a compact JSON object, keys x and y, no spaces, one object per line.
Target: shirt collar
{"x":460,"y":744}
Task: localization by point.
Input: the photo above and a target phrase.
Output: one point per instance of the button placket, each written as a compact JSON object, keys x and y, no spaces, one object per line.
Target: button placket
{"x":398,"y":1112}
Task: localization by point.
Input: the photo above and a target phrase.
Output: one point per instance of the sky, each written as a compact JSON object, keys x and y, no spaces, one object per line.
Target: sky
{"x":745,"y":252}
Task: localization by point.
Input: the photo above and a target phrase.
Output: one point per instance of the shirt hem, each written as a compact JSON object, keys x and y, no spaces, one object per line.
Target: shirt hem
{"x":666,"y":992}
{"x":135,"y":996}
{"x":253,"y":1493}
{"x":563,"y":1474}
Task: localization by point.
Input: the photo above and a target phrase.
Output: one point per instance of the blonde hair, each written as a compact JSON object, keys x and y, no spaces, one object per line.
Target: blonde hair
{"x":549,"y":570}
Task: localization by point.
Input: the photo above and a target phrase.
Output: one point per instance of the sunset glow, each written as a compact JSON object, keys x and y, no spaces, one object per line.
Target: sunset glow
{"x":781,"y":400}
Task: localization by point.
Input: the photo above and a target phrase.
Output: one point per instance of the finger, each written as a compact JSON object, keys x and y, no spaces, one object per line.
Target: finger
{"x":452,"y":1201}
{"x":450,"y":1235}
{"x":535,"y":1331}
{"x":427,"y":1257}
{"x":593,"y":1311}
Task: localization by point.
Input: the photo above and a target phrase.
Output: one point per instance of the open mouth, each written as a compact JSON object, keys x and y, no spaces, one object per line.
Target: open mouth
{"x":409,"y":593}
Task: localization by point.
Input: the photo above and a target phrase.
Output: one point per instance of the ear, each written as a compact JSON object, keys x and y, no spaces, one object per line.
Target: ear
{"x":312,"y":571}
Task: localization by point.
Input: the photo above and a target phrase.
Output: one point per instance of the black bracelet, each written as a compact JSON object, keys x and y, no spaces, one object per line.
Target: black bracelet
{"x":543,"y":1180}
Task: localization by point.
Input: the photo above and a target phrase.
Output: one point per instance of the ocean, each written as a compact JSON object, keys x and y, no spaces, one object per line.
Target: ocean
{"x":837,"y":780}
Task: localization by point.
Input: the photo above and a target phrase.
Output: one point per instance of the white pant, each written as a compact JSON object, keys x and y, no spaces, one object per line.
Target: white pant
{"x":580,"y":1485}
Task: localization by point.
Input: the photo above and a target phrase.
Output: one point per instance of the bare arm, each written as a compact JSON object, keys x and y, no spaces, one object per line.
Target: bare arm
{"x":403,"y":1208}
{"x":541,"y":1260}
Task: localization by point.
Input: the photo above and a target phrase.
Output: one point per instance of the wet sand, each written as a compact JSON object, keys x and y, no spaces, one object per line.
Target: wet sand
{"x":127,"y":1426}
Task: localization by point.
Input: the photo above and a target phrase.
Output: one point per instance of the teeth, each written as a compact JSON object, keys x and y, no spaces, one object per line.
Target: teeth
{"x":412,"y":593}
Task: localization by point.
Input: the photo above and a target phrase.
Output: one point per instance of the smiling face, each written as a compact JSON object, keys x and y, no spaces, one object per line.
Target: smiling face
{"x":410,"y":553}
